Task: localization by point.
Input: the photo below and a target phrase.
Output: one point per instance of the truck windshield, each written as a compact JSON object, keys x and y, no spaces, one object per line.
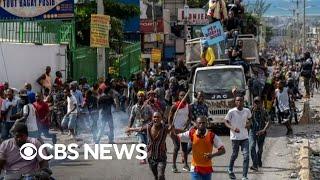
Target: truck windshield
{"x":217,"y":80}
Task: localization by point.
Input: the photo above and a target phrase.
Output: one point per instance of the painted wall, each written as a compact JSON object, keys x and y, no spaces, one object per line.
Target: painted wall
{"x":21,"y":63}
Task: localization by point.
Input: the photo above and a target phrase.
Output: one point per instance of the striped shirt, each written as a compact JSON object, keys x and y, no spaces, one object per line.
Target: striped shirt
{"x":156,"y":148}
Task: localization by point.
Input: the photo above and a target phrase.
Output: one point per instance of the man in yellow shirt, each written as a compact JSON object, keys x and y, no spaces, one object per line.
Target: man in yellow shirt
{"x":207,"y":58}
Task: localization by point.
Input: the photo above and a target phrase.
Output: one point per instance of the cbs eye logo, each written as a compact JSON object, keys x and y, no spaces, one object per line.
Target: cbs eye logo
{"x":28,"y":151}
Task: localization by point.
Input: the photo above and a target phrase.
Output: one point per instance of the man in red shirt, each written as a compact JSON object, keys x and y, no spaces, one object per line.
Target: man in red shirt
{"x":43,"y":117}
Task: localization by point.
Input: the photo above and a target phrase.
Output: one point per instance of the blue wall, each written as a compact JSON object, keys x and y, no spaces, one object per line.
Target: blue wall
{"x":132,"y":25}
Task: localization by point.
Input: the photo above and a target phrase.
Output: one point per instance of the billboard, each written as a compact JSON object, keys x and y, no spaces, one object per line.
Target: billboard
{"x":213,"y":33}
{"x":37,"y":9}
{"x":151,"y":10}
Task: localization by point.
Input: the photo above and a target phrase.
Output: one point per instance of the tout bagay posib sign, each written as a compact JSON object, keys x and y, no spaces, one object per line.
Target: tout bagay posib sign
{"x":37,"y":9}
{"x":99,"y":30}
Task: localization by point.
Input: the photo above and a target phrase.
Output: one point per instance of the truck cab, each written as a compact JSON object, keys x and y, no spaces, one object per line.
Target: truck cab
{"x":217,"y":82}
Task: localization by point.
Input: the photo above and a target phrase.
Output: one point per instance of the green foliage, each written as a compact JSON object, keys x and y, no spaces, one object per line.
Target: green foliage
{"x":117,"y":11}
{"x":259,"y":7}
{"x":197,"y":3}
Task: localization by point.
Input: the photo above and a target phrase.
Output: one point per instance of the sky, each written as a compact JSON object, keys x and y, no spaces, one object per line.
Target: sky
{"x":281,"y":7}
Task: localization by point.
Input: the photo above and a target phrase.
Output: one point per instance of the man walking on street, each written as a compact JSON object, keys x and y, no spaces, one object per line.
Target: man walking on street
{"x":257,"y":134}
{"x":237,"y":120}
{"x":141,"y":114}
{"x":69,"y":120}
{"x":181,"y":122}
{"x":157,"y":133}
{"x":306,"y":72}
{"x":203,"y":142}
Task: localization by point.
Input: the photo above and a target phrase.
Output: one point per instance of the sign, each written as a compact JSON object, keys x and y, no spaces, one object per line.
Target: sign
{"x":147,"y":26}
{"x":156,"y":55}
{"x":213,"y":33}
{"x":196,"y":16}
{"x":99,"y":30}
{"x":37,"y":9}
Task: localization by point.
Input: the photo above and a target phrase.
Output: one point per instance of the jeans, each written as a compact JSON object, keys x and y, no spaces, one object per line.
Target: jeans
{"x":5,"y":130}
{"x":255,"y":141}
{"x":158,"y":168}
{"x":244,"y":144}
{"x":197,"y":176}
{"x":45,"y":131}
{"x":69,"y":121}
{"x":105,"y":117}
{"x":94,"y":115}
{"x":142,"y":137}
{"x":307,"y":85}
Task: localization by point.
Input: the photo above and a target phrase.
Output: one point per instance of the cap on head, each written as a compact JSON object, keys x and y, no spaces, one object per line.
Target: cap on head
{"x":204,"y":43}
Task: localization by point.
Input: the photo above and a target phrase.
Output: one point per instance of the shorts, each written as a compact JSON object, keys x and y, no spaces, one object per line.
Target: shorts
{"x":69,"y":121}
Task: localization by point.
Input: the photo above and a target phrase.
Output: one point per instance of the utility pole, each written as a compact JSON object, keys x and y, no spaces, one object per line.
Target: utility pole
{"x":101,"y":53}
{"x":304,"y":25}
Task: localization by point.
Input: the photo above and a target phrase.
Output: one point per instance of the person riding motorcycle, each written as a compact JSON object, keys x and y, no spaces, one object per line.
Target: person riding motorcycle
{"x":14,"y":165}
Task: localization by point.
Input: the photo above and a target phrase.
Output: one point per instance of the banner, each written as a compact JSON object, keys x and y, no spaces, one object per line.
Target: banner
{"x":37,"y":9}
{"x":213,"y":33}
{"x":197,"y":16}
{"x":156,"y":55}
{"x":99,"y":30}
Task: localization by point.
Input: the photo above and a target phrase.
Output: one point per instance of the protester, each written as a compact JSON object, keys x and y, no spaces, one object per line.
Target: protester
{"x":180,"y":116}
{"x":306,"y":72}
{"x":238,"y":120}
{"x":257,"y":133}
{"x":45,"y":80}
{"x":43,"y":118}
{"x":9,"y":109}
{"x":141,"y":114}
{"x":157,"y":132}
{"x":70,"y":119}
{"x":203,"y":142}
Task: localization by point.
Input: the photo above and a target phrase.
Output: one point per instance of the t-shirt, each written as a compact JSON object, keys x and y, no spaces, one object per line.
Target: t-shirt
{"x":31,"y":96}
{"x":42,"y":110}
{"x":15,"y":164}
{"x":12,"y":111}
{"x":283,"y":99}
{"x":72,"y":103}
{"x":31,"y":121}
{"x":238,"y":120}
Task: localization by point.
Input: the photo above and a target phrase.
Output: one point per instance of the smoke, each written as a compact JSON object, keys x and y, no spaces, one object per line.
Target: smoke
{"x":120,"y":123}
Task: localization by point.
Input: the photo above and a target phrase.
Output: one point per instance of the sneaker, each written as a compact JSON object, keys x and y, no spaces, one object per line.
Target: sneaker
{"x":174,"y":169}
{"x":244,"y":178}
{"x":254,"y":168}
{"x":186,"y":168}
{"x":231,"y":175}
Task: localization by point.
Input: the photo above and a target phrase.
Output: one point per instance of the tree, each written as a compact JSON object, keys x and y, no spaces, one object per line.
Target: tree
{"x":260,"y":7}
{"x":117,"y":11}
{"x":269,"y":33}
{"x":197,"y":3}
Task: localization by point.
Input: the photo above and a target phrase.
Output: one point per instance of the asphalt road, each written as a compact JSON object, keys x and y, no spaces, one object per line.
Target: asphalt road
{"x":277,"y":163}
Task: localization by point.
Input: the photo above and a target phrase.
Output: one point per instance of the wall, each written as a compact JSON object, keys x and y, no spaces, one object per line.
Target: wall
{"x":26,"y":62}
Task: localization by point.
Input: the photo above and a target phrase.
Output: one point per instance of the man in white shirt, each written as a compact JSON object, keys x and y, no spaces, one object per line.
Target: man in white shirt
{"x":69,"y":120}
{"x":283,"y":105}
{"x":238,"y":121}
{"x":9,"y":109}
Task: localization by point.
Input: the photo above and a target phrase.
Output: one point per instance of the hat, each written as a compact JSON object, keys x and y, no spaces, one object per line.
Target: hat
{"x":204,"y":43}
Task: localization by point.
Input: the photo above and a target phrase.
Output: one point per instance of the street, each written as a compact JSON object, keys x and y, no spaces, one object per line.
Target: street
{"x":277,"y":164}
